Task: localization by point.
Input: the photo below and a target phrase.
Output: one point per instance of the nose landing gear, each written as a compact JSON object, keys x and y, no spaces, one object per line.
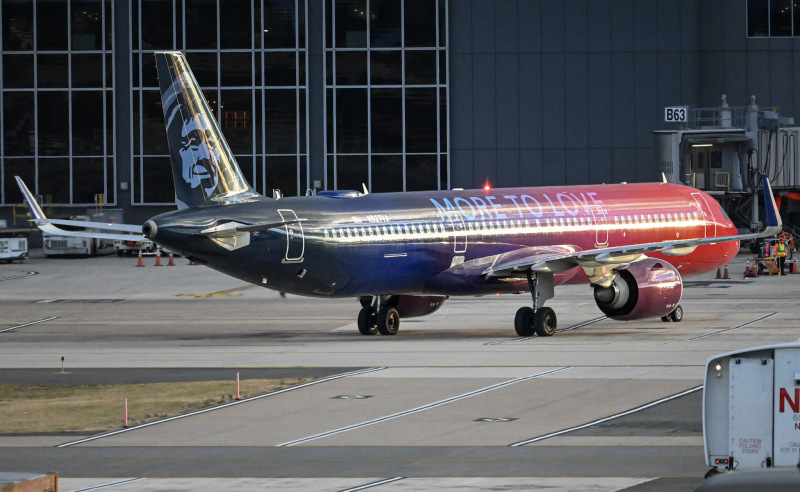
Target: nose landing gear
{"x":378,"y":315}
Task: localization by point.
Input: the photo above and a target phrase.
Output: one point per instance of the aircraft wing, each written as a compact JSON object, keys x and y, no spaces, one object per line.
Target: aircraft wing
{"x":50,"y":226}
{"x":597,"y":262}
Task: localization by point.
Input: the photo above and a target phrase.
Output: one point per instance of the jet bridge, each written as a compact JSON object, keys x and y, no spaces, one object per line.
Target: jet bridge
{"x":723,"y":150}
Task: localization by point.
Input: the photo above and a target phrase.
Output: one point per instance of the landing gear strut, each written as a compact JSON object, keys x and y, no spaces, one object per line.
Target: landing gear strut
{"x":538,"y":319}
{"x":378,"y":315}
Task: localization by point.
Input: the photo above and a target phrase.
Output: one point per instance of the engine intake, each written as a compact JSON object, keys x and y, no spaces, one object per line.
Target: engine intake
{"x":644,"y":289}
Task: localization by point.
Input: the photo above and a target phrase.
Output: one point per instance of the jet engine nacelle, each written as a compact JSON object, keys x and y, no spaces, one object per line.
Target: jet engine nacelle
{"x":643,"y":289}
{"x":413,"y":306}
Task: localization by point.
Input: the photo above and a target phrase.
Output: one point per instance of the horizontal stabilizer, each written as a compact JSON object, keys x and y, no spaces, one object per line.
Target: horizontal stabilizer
{"x":50,"y":226}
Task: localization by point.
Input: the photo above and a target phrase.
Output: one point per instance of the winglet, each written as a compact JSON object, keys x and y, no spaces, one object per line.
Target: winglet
{"x":33,"y":205}
{"x":774,"y":223}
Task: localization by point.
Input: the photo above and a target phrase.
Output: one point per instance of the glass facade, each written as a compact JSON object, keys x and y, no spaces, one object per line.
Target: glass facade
{"x":56,"y":95}
{"x":386,"y":94}
{"x":773,"y":18}
{"x":250,"y":58}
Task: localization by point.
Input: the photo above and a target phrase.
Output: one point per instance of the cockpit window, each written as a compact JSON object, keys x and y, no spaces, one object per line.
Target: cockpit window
{"x":724,"y":214}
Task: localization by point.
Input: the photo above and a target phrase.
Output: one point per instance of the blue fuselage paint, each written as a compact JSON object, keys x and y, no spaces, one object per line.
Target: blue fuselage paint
{"x":435,"y":242}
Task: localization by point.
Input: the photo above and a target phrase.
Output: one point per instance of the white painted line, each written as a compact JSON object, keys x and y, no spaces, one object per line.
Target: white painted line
{"x":606,"y":419}
{"x":724,"y":330}
{"x":373,"y":484}
{"x":22,"y":275}
{"x":110,"y":484}
{"x":422,"y":408}
{"x":219,"y":407}
{"x":29,"y":324}
{"x":569,"y":328}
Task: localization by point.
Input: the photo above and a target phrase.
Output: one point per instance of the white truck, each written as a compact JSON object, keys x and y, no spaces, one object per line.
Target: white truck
{"x":751,"y":408}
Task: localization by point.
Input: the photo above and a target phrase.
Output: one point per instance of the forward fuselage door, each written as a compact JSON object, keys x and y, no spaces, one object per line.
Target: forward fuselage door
{"x":459,"y":231}
{"x":707,"y":216}
{"x":600,"y":224}
{"x":295,"y":240}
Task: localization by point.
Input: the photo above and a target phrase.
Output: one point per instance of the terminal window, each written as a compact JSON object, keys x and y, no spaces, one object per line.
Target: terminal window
{"x":772,"y":18}
{"x":386,"y":94}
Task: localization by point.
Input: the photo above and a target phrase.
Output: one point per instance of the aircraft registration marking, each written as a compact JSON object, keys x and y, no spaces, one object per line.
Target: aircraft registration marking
{"x":222,"y":293}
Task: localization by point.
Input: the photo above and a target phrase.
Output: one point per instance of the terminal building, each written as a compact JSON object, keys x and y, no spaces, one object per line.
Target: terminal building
{"x":400,"y":95}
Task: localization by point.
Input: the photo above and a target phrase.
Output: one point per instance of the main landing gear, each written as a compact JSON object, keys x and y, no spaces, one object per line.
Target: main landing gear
{"x":378,"y":315}
{"x":538,"y":319}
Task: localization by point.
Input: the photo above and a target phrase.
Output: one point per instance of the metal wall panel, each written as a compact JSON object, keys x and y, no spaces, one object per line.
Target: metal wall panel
{"x":482,"y":26}
{"x":460,"y":103}
{"x":758,"y":75}
{"x":576,"y":22}
{"x":601,"y":166}
{"x":599,"y":81}
{"x":530,"y":167}
{"x":669,"y":26}
{"x":552,"y":27}
{"x":506,"y":26}
{"x":507,"y":84}
{"x":646,"y":25}
{"x":485,"y":167}
{"x":735,"y":78}
{"x":577,"y":166}
{"x":530,"y":100}
{"x":646,"y":108}
{"x":483,"y":102}
{"x":622,"y":97}
{"x":553,"y":133}
{"x":780,"y":82}
{"x":576,"y":108}
{"x":622,"y":32}
{"x":622,"y":166}
{"x":599,"y":25}
{"x":461,"y":37}
{"x":461,"y":169}
{"x":508,"y":168}
{"x":530,"y":18}
{"x":554,"y":167}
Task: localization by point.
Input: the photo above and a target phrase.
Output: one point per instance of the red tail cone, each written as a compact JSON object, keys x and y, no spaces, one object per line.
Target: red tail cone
{"x":141,"y":263}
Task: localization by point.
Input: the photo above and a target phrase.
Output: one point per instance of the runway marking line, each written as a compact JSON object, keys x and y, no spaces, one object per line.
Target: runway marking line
{"x":569,"y":328}
{"x":29,"y":324}
{"x":222,"y":293}
{"x":110,"y":484}
{"x":723,"y":330}
{"x":605,"y":419}
{"x":220,"y":407}
{"x":421,"y":408}
{"x":22,"y":275}
{"x":373,"y":484}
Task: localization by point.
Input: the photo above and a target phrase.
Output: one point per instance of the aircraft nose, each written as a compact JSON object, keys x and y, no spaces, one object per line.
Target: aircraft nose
{"x":149,"y":229}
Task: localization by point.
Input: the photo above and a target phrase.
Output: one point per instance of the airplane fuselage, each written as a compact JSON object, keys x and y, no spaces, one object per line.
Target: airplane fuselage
{"x":412,"y":243}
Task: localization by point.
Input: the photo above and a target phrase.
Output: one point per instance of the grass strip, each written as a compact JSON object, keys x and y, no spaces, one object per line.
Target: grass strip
{"x":26,"y":409}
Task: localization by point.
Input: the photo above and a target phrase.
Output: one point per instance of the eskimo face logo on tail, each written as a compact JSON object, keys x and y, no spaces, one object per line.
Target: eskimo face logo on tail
{"x":200,"y":154}
{"x":198,"y":149}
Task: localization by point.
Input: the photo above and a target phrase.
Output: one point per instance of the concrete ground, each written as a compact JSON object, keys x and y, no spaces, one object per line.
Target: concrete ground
{"x":455,"y":401}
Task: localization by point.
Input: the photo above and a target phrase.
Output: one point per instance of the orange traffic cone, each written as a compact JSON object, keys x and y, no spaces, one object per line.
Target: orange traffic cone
{"x":747,"y":272}
{"x":171,"y":261}
{"x":141,"y":263}
{"x":725,"y":274}
{"x":719,"y":274}
{"x":795,"y":268}
{"x":158,"y":258}
{"x":192,"y":263}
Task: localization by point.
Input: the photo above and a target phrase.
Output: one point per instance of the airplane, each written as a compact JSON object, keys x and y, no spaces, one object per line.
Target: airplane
{"x":403,"y":254}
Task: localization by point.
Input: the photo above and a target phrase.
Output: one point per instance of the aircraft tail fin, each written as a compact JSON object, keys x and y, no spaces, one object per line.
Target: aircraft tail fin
{"x":203,"y":165}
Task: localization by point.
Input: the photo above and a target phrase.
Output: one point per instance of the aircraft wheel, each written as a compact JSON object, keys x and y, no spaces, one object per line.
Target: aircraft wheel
{"x":523,"y":322}
{"x":366,"y":322}
{"x":677,"y":314}
{"x":545,"y":322}
{"x":388,"y":321}
{"x":366,"y":301}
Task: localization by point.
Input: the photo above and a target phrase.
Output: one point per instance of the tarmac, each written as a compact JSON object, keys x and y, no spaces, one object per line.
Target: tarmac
{"x":456,"y":400}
